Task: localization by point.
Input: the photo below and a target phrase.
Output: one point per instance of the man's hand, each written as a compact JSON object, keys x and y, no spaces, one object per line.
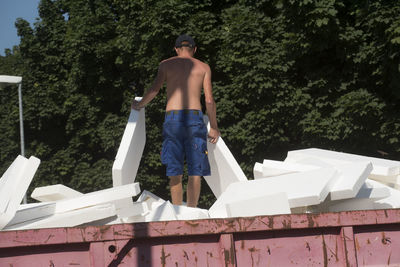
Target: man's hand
{"x":213,"y":135}
{"x":136,"y":105}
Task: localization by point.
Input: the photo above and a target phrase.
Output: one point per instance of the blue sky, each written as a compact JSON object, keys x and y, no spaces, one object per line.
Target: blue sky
{"x":10,"y":10}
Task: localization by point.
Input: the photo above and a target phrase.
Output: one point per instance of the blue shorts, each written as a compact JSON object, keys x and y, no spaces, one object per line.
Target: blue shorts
{"x":185,"y":135}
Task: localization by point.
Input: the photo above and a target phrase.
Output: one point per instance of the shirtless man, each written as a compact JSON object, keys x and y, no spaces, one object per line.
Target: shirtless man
{"x":184,"y":132}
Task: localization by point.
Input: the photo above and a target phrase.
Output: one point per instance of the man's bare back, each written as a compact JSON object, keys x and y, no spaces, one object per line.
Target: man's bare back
{"x":185,"y":77}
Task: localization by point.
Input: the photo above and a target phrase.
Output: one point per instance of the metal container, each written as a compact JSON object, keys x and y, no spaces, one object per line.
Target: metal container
{"x":356,"y":238}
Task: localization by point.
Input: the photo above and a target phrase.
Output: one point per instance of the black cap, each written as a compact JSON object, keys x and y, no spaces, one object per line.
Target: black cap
{"x":184,"y":38}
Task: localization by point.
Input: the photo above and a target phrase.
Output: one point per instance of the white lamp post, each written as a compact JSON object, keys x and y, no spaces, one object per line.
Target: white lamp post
{"x":17,"y":80}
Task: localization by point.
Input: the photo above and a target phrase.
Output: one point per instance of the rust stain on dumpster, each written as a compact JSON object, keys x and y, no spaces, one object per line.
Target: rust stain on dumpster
{"x":385,"y":240}
{"x":192,"y":224}
{"x":310,"y":220}
{"x":357,"y":244}
{"x":271,"y":222}
{"x":287,"y":224}
{"x":48,"y":238}
{"x":229,"y":255}
{"x":308,"y":246}
{"x":185,"y":255}
{"x":163,"y":257}
{"x":324,"y":251}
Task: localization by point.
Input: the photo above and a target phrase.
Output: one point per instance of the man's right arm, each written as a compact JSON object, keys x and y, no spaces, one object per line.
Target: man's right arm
{"x":211,"y":107}
{"x":153,"y":90}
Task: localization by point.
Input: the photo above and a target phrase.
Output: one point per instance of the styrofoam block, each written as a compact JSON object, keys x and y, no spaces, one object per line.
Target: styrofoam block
{"x":276,"y":203}
{"x":11,"y":169}
{"x":315,"y":162}
{"x":289,"y":166}
{"x":163,"y":212}
{"x":150,"y":199}
{"x":275,"y":168}
{"x":224,"y":168}
{"x":188,"y":213}
{"x":258,"y":170}
{"x":148,"y":196}
{"x":352,"y":204}
{"x":302,"y":188}
{"x":18,"y":188}
{"x":106,"y":221}
{"x":9,"y":180}
{"x":380,"y":166}
{"x":351,"y":178}
{"x":392,"y":201}
{"x":130,"y":150}
{"x":392,"y":185}
{"x":31,"y":205}
{"x":372,"y":195}
{"x":364,"y":200}
{"x":395,"y":179}
{"x":32,"y":212}
{"x":127,"y":207}
{"x":373,"y":190}
{"x":69,"y":219}
{"x":98,"y":197}
{"x":54,"y":193}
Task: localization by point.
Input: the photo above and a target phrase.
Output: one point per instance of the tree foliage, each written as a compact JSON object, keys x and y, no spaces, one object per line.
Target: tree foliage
{"x":286,"y":75}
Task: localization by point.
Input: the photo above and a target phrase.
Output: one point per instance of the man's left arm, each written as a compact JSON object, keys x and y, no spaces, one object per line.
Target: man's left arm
{"x":153,"y":90}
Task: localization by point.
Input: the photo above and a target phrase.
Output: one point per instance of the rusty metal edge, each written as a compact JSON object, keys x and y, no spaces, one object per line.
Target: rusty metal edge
{"x":195,"y":227}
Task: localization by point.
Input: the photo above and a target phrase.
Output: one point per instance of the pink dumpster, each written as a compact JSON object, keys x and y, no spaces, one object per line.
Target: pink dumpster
{"x":357,"y":238}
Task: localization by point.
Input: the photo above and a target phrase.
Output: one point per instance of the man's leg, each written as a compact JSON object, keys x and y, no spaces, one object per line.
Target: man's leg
{"x":175,"y":183}
{"x":193,"y":191}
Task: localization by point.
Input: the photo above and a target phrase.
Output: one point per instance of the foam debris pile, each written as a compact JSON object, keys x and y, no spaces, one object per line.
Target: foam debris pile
{"x":308,"y":180}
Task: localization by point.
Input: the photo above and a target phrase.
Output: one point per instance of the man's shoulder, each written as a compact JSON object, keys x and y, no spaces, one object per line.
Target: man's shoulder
{"x":167,"y":61}
{"x":202,"y":64}
{"x":178,"y":60}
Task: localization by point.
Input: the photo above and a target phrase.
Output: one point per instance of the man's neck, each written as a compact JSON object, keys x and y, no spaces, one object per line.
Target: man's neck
{"x":185,"y":55}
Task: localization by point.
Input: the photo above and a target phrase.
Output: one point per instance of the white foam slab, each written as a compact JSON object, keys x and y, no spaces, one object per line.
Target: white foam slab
{"x":392,"y":185}
{"x":351,"y":178}
{"x":106,"y":221}
{"x":275,"y":168}
{"x":392,"y":201}
{"x":373,"y":190}
{"x":130,"y":150}
{"x":380,"y":166}
{"x":258,"y":171}
{"x":98,"y":197}
{"x":148,"y":196}
{"x":32,"y":212}
{"x":369,"y":193}
{"x":54,"y":193}
{"x":9,"y":179}
{"x":163,"y":212}
{"x":224,"y":168}
{"x":189,"y":213}
{"x":395,"y":179}
{"x":127,"y":207}
{"x":316,"y":162}
{"x":352,"y":204}
{"x":18,"y":188}
{"x":69,"y":219}
{"x":302,"y":189}
{"x":276,"y":203}
{"x":372,"y":195}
